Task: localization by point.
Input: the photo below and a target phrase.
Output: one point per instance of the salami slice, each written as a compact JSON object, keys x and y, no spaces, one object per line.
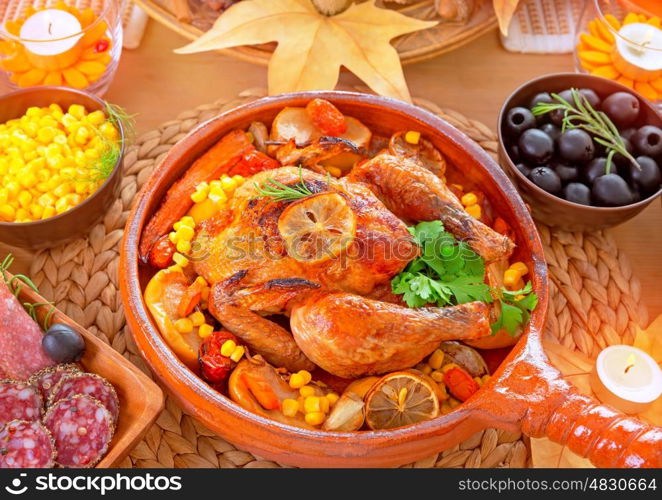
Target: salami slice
{"x":82,"y":428}
{"x":26,"y":444}
{"x":20,"y":339}
{"x":19,"y":401}
{"x":45,"y":380}
{"x":88,"y":384}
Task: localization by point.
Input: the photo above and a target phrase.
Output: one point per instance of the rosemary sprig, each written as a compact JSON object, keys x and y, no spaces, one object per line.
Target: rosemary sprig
{"x":278,"y":191}
{"x":15,"y":284}
{"x":583,"y":116}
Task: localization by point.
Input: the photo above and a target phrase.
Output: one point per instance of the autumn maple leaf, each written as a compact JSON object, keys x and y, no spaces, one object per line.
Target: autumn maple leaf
{"x":312,"y":47}
{"x":505,"y":9}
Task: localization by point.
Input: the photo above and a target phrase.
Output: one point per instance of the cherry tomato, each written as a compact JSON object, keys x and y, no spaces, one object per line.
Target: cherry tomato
{"x":215,"y":367}
{"x":160,"y":256}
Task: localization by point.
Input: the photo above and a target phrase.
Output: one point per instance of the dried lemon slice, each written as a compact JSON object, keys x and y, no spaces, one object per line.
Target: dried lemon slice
{"x":317,"y":228}
{"x":399,"y":399}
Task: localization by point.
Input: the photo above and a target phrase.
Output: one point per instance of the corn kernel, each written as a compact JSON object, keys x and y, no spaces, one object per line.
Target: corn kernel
{"x":511,"y":277}
{"x":77,"y":111}
{"x":442,"y":393}
{"x":437,"y":376}
{"x":307,"y":391}
{"x":205,"y":331}
{"x":24,"y":198}
{"x":96,"y":117}
{"x":427,"y":369}
{"x":7,"y":213}
{"x":46,"y":134}
{"x":325,"y":404}
{"x":332,"y":398}
{"x":186,"y":233}
{"x":172,"y":236}
{"x":296,"y":381}
{"x":201,"y":281}
{"x":197,"y":318}
{"x":469,"y":199}
{"x":315,"y":418}
{"x":239,"y":179}
{"x":204,"y":210}
{"x":184,"y":246}
{"x":437,"y":359}
{"x":475,"y":211}
{"x":188,"y":221}
{"x":48,"y":212}
{"x":180,"y":260}
{"x":228,"y":348}
{"x":184,"y":325}
{"x":36,"y":211}
{"x":199,"y":197}
{"x":412,"y":137}
{"x":290,"y":407}
{"x":448,"y":367}
{"x":520,"y":267}
{"x":238,"y":353}
{"x":312,"y":404}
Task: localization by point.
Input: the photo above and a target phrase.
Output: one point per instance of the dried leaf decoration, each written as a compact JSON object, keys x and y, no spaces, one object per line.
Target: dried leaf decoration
{"x":312,"y":47}
{"x":505,"y":9}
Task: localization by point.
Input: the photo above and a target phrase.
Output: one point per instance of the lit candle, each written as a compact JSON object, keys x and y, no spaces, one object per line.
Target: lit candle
{"x":626,"y":378}
{"x":638,"y":51}
{"x":51,"y":38}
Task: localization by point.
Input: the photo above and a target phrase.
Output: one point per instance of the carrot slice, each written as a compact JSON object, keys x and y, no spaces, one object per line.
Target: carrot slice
{"x":606,"y":71}
{"x":460,"y":383}
{"x":262,"y":391}
{"x":646,"y":90}
{"x":190,"y":299}
{"x":177,"y":202}
{"x":595,"y":43}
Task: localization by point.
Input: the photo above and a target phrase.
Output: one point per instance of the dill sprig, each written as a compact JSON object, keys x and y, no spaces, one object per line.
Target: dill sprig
{"x":15,"y":284}
{"x":583,"y":116}
{"x":278,"y":191}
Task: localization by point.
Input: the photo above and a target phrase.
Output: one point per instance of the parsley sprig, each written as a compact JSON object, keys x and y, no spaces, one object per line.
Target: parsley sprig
{"x":580,"y":114}
{"x":448,"y":272}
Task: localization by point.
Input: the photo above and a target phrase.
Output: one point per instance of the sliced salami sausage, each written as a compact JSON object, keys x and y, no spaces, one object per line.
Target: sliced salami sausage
{"x":82,"y":429}
{"x":88,"y":384}
{"x":45,"y":380}
{"x":26,"y":444}
{"x":19,"y":401}
{"x":20,"y":339}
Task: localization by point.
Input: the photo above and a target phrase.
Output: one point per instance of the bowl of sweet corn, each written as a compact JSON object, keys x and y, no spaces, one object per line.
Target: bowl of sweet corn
{"x":60,"y":156}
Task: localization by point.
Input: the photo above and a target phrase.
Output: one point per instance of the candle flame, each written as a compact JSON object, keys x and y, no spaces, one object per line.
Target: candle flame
{"x":630,"y":362}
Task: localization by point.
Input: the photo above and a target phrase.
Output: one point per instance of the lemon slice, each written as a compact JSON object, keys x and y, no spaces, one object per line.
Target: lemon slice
{"x":399,"y":399}
{"x":317,"y":228}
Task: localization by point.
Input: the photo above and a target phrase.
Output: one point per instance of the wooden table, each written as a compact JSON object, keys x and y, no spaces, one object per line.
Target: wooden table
{"x":157,"y":84}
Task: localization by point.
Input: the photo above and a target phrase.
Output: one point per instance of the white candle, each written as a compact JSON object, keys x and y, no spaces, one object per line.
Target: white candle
{"x":50,"y":32}
{"x":640,"y":44}
{"x":627,"y":378}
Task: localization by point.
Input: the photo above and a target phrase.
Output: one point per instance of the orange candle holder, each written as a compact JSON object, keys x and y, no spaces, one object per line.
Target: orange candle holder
{"x":60,"y":44}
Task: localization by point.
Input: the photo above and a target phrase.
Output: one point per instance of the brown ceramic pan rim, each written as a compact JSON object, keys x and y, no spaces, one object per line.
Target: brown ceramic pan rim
{"x":132,"y":291}
{"x":116,"y":169}
{"x":514,"y":96}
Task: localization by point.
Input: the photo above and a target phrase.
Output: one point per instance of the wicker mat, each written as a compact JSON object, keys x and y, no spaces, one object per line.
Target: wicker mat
{"x":595,"y":301}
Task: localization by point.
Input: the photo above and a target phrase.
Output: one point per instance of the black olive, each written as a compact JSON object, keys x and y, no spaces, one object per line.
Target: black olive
{"x":551,"y":130}
{"x":648,"y":140}
{"x":648,"y":179}
{"x":628,"y":133}
{"x":566,"y":173}
{"x":535,"y":146}
{"x":566,"y":95}
{"x":545,"y":178}
{"x":577,"y":192}
{"x":622,"y":108}
{"x":592,"y":98}
{"x":611,"y":191}
{"x":518,"y":120}
{"x":525,"y":169}
{"x":556,"y":117}
{"x":576,"y":146}
{"x":63,"y":344}
{"x":619,"y":159}
{"x":596,"y":168}
{"x":541,"y":98}
{"x":513,"y":152}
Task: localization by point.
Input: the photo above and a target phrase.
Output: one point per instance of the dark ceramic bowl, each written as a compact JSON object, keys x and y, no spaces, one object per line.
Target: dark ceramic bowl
{"x":546,"y":207}
{"x":76,"y":221}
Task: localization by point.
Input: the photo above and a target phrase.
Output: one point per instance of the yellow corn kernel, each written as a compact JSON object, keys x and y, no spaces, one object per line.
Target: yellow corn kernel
{"x":238,"y":353}
{"x":239,"y":179}
{"x":485,"y":378}
{"x":333,"y":398}
{"x":172,"y":236}
{"x":228,"y":183}
{"x":290,"y":407}
{"x":520,"y":267}
{"x":315,"y":418}
{"x":475,"y":211}
{"x":184,"y":325}
{"x":437,"y":376}
{"x":442,"y":393}
{"x":427,"y":369}
{"x":7,"y":213}
{"x":36,"y":211}
{"x":13,"y":188}
{"x":312,"y":404}
{"x":205,"y":331}
{"x":181,"y":261}
{"x":197,"y":318}
{"x":29,"y":180}
{"x":479,"y":381}
{"x":204,"y":210}
{"x":296,"y":381}
{"x":183,"y":246}
{"x":96,"y":118}
{"x":201,"y":281}
{"x":307,"y":377}
{"x":325,"y":404}
{"x":77,"y":111}
{"x":188,"y":221}
{"x":469,"y":199}
{"x":199,"y":196}
{"x":334,"y":171}
{"x":511,"y":277}
{"x":437,"y":359}
{"x":307,"y":391}
{"x":109,"y":131}
{"x":448,"y":366}
{"x":48,"y":212}
{"x":46,"y":134}
{"x":228,"y":348}
{"x":61,"y":205}
{"x":46,"y":200}
{"x":185,"y":233}
{"x":412,"y":137}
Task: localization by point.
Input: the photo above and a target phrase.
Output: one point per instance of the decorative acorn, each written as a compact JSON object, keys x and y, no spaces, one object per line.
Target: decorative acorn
{"x":331,"y":7}
{"x":455,"y":10}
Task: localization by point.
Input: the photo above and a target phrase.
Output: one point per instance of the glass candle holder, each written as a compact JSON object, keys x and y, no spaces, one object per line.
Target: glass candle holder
{"x":70,"y":43}
{"x":621,"y":40}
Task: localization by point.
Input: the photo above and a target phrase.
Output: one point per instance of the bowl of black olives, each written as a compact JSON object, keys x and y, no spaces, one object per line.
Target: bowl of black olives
{"x":585,"y":152}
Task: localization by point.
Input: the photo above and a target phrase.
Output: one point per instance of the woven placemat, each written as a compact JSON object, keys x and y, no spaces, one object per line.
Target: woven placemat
{"x":595,"y":302}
